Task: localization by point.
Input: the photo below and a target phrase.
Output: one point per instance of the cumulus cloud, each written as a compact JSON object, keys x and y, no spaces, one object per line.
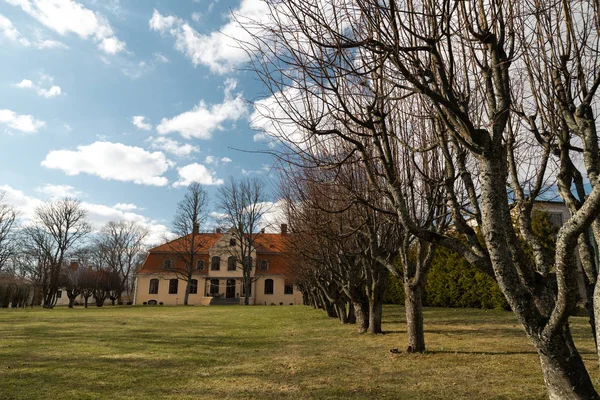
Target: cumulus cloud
{"x":112,"y":161}
{"x":139,"y":122}
{"x":58,"y":191}
{"x":217,"y":50}
{"x":8,"y":30}
{"x":48,"y":93}
{"x":201,"y":121}
{"x":98,"y":214}
{"x":22,"y":123}
{"x":196,"y":173}
{"x":172,"y":146}
{"x":273,"y":216}
{"x":68,"y":16}
{"x":125,"y":206}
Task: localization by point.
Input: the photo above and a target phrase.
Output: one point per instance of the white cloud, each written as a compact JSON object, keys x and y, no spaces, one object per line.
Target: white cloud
{"x":139,"y":122}
{"x":161,"y":58}
{"x":24,"y":204}
{"x":216,"y":161}
{"x":172,"y":146}
{"x":125,"y":206}
{"x":8,"y":30}
{"x":274,"y":216}
{"x":112,"y":161}
{"x":111,"y":45}
{"x":25,"y":84}
{"x":58,"y":191}
{"x":48,"y":93}
{"x":98,"y":214}
{"x":196,"y":16}
{"x":218,"y":50}
{"x":23,"y":123}
{"x":68,"y":16}
{"x":203,"y":119}
{"x":196,"y":173}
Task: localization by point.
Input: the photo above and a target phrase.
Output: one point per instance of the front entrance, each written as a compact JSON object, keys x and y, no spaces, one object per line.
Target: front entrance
{"x":230,"y":290}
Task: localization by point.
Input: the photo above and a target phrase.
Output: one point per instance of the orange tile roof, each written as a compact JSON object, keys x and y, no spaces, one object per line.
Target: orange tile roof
{"x":206,"y":241}
{"x":269,"y":246}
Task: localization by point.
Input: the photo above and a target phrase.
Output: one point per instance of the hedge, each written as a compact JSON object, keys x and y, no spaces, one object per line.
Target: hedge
{"x":452,"y":282}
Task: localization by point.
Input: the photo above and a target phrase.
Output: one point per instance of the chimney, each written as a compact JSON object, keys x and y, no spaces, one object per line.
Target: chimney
{"x":218,"y":230}
{"x":196,"y":229}
{"x":262,"y":230}
{"x":284,"y":229}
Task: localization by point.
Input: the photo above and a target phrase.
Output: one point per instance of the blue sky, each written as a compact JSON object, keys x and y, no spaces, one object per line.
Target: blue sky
{"x":124,"y":103}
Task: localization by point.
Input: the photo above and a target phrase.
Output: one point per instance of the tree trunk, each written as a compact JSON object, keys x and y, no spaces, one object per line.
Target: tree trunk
{"x":375,"y":314}
{"x":186,"y":296}
{"x":247,"y":284}
{"x":305,"y":301}
{"x":340,"y":309}
{"x":351,"y":319}
{"x":362,"y":316}
{"x":564,"y":372}
{"x":376,"y":292}
{"x":414,"y":318}
{"x":85,"y":301}
{"x":50,"y":298}
{"x":596,"y":301}
{"x":71,"y":301}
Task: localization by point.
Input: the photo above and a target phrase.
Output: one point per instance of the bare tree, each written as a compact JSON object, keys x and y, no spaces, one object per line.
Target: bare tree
{"x":121,"y":245}
{"x":191,"y":213}
{"x":355,"y":71}
{"x":8,"y":217}
{"x":243,"y":204}
{"x":59,"y":226}
{"x":72,"y":281}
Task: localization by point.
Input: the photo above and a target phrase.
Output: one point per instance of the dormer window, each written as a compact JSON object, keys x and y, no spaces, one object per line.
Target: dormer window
{"x":167,"y":264}
{"x":264,"y":265}
{"x":200,"y":265}
{"x":232,"y":242}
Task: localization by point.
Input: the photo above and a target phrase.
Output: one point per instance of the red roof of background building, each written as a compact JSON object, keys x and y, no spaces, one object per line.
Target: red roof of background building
{"x":269,"y":246}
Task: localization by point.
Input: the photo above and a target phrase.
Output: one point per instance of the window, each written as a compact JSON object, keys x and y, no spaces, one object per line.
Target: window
{"x":215,"y":265}
{"x":288,"y":288}
{"x":231,"y":264}
{"x":214,"y":287}
{"x":167,"y":264}
{"x":173,"y":284}
{"x":194,"y":286}
{"x":200,"y":265}
{"x":268,"y":286}
{"x":247,"y":262}
{"x":59,"y":294}
{"x":232,"y":242}
{"x":556,"y":219}
{"x":264,"y":265}
{"x":153,"y":286}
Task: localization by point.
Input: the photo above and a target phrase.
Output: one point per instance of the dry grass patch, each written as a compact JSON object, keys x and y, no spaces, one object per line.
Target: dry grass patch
{"x":264,"y":353}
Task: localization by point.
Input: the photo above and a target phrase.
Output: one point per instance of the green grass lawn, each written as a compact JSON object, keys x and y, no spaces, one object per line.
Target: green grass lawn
{"x":264,"y":353}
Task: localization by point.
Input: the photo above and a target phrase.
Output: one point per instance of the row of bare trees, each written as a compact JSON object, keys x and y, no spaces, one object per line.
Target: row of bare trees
{"x":460,"y":114}
{"x":57,"y":250}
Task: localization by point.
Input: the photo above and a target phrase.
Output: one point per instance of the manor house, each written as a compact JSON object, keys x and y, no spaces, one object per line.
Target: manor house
{"x":217,"y":278}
